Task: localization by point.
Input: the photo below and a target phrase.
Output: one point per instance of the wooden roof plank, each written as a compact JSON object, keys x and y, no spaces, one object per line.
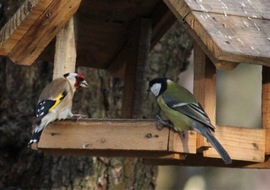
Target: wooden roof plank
{"x":238,"y":39}
{"x":32,"y":29}
{"x":43,"y":31}
{"x":244,"y":8}
{"x":19,"y":24}
{"x":232,"y":32}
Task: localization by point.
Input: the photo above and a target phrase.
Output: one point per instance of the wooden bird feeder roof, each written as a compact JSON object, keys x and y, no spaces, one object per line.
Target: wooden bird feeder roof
{"x":117,"y":35}
{"x":102,"y":34}
{"x":230,"y":32}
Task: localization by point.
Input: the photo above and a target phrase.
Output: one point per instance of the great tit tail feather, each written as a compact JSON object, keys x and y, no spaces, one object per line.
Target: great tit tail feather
{"x":219,"y":148}
{"x":205,"y":131}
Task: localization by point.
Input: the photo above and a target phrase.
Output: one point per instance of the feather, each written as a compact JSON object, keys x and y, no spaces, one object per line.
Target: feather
{"x":199,"y":127}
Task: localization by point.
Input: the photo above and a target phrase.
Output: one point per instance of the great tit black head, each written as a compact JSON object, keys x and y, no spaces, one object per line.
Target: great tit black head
{"x":158,"y":85}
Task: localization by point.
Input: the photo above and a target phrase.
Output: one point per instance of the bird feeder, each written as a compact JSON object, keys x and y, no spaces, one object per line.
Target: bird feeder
{"x":117,"y":37}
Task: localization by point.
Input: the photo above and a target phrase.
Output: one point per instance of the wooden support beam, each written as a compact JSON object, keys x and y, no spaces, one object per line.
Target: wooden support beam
{"x":266,"y":106}
{"x":32,"y":28}
{"x":140,"y":138}
{"x":163,"y":19}
{"x":65,"y":50}
{"x":204,"y":86}
{"x":137,"y":53}
{"x":205,"y":82}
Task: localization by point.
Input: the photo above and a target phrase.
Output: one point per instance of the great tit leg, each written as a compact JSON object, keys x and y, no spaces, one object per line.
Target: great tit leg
{"x":163,"y":122}
{"x":182,"y":134}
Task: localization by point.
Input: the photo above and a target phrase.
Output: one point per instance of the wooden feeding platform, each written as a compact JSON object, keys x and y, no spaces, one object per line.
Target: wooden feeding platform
{"x":117,"y":36}
{"x":140,"y":138}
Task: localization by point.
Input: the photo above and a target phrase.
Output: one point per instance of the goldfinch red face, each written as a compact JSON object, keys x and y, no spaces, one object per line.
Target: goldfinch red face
{"x":77,"y":79}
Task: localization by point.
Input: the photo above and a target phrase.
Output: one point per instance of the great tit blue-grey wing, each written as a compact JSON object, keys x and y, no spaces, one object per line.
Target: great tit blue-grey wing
{"x":191,"y":109}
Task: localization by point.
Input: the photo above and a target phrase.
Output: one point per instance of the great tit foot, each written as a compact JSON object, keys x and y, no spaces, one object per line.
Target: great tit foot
{"x":163,"y":123}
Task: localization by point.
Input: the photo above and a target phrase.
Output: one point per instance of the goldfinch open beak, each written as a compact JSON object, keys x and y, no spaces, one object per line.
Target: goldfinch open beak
{"x":84,"y":84}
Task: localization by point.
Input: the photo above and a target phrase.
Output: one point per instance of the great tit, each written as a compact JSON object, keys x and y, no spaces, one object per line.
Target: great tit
{"x":181,"y":108}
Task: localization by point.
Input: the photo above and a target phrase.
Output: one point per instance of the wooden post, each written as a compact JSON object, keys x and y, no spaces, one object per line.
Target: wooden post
{"x":204,"y":86}
{"x":65,"y":50}
{"x":266,"y":106}
{"x":138,"y":49}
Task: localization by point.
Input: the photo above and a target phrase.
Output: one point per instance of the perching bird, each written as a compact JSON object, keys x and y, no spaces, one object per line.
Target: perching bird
{"x":55,"y":102}
{"x":181,"y":108}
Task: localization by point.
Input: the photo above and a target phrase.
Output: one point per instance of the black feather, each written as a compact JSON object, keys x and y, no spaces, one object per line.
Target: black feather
{"x":35,"y":138}
{"x":43,"y":108}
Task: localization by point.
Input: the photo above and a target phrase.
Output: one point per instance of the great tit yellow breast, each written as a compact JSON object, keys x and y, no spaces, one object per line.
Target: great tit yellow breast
{"x":180,"y":121}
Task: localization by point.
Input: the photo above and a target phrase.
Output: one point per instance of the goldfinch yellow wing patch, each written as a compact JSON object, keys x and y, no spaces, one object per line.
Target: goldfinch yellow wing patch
{"x":45,"y":106}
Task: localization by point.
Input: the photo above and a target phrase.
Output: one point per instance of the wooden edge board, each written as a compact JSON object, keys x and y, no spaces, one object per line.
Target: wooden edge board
{"x":241,"y":143}
{"x":116,"y":153}
{"x":131,"y":135}
{"x":197,"y":160}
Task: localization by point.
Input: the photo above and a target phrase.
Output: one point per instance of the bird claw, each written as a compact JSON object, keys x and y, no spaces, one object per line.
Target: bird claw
{"x":79,"y":116}
{"x":163,"y":122}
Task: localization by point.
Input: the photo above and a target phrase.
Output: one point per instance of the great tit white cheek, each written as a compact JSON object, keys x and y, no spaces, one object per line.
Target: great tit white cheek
{"x":155,"y":89}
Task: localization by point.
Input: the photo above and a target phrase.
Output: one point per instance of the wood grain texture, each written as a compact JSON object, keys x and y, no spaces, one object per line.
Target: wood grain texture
{"x":140,"y":138}
{"x":241,"y":143}
{"x":65,"y":51}
{"x":135,"y":61}
{"x":244,"y":8}
{"x":266,"y":106}
{"x":204,"y":87}
{"x":232,"y":31}
{"x":19,"y":24}
{"x":105,"y":135}
{"x":45,"y":24}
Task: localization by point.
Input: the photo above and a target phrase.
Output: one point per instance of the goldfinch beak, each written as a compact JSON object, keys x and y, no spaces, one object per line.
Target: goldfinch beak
{"x":84,"y":84}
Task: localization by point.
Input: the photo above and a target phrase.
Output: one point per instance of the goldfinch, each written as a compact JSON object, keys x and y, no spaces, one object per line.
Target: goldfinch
{"x":181,"y":108}
{"x":55,"y":102}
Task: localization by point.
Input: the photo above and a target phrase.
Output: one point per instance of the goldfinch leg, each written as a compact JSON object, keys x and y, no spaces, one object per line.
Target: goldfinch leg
{"x":163,"y":122}
{"x":79,"y":116}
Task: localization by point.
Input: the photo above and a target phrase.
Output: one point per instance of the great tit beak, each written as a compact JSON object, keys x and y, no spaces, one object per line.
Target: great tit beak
{"x":84,"y":84}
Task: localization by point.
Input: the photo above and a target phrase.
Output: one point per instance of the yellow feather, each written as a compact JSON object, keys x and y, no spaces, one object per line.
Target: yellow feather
{"x":58,"y":100}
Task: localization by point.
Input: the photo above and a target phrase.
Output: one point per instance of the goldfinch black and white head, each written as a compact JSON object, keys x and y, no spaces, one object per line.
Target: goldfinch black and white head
{"x":77,"y":79}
